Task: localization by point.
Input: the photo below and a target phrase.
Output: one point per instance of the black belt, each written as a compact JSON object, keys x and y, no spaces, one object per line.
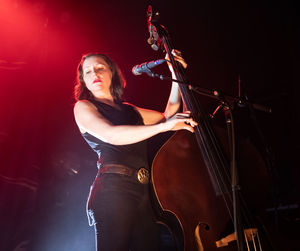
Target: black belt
{"x":142,"y":174}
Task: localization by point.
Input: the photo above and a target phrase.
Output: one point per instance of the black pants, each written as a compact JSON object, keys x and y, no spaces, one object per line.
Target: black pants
{"x":120,"y":209}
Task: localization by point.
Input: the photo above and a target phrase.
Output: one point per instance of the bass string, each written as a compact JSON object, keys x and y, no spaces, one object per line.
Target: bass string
{"x":221,"y":177}
{"x":206,"y":137}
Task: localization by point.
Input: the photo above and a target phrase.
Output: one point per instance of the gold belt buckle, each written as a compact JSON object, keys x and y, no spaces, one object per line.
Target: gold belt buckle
{"x":143,"y":175}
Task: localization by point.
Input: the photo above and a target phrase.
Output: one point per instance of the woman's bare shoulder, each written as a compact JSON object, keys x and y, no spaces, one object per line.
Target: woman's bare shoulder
{"x":83,"y":104}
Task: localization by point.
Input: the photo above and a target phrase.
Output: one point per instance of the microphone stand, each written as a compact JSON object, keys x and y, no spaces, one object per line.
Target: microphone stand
{"x":214,"y":93}
{"x":224,"y":103}
{"x":236,"y":205}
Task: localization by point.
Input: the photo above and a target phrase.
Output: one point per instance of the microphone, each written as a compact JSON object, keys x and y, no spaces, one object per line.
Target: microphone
{"x":145,"y":67}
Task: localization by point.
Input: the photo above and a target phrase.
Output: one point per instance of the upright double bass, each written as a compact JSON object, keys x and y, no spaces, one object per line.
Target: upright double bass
{"x":192,"y":176}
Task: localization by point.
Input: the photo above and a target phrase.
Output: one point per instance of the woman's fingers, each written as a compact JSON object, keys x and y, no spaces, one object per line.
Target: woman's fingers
{"x":181,"y":121}
{"x":182,"y":115}
{"x":185,"y":114}
{"x":176,"y":52}
{"x":188,"y":126}
{"x":181,"y":61}
{"x":190,"y":121}
{"x":186,"y":118}
{"x":186,"y":123}
{"x":177,"y":56}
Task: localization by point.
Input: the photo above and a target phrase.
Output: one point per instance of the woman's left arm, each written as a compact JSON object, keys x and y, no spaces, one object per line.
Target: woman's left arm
{"x":151,"y":117}
{"x":174,"y":101}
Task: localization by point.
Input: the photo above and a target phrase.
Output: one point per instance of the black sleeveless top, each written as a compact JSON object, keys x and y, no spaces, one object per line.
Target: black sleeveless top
{"x":131,"y":155}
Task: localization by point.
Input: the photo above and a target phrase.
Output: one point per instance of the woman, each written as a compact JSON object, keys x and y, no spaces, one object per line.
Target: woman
{"x":118,"y":203}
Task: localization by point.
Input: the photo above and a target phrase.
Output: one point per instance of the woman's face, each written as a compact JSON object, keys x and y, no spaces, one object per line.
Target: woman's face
{"x":97,"y":76}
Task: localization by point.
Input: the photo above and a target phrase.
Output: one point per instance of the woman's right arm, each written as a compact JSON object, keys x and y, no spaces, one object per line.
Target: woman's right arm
{"x":89,"y":120}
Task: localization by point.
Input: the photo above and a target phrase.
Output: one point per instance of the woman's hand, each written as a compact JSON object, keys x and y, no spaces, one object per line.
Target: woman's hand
{"x":177,"y":56}
{"x":181,"y":121}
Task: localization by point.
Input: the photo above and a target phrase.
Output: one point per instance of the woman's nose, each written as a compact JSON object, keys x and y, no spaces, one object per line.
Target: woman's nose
{"x":95,"y":74}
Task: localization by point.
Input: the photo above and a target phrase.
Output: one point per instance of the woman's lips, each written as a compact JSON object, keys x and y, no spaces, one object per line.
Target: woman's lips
{"x":97,"y":81}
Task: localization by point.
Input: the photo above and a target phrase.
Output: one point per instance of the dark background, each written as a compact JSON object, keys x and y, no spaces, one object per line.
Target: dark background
{"x":47,"y":168}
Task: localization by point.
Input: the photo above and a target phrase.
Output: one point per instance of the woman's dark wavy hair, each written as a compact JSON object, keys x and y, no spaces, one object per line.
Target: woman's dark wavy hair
{"x":117,"y":86}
